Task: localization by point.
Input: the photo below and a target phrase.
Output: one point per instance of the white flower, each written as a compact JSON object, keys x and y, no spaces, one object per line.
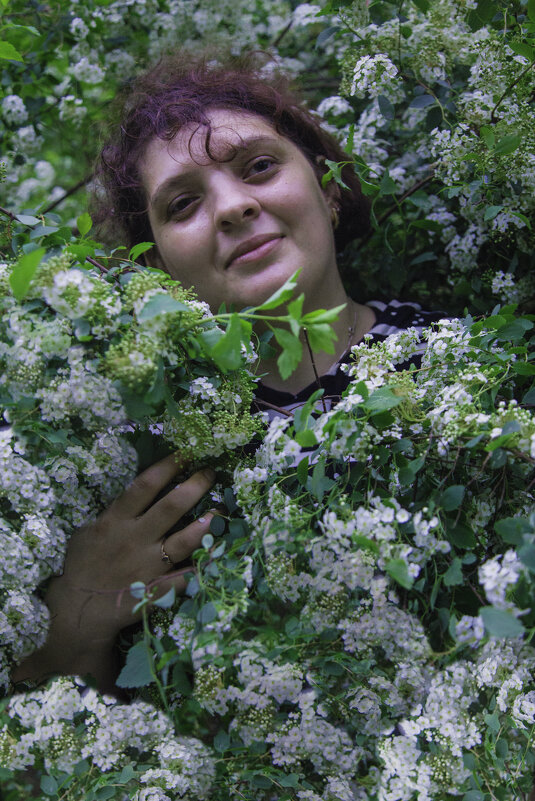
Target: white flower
{"x":14,"y":110}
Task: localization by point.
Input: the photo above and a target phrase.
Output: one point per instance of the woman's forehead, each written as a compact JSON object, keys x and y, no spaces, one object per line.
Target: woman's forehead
{"x":227,"y":133}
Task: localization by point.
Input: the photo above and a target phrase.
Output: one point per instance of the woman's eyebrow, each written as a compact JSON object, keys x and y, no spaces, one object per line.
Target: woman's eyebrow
{"x":174,"y":182}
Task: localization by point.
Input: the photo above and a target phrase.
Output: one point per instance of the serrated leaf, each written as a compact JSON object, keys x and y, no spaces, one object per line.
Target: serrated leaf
{"x":162,"y":303}
{"x":507,"y":144}
{"x":227,"y":351}
{"x":321,"y":337}
{"x":522,"y":49}
{"x":137,"y":671}
{"x":282,"y":295}
{"x":292,"y":352}
{"x":382,"y":399}
{"x":84,"y":223}
{"x":138,"y":249}
{"x":500,"y":623}
{"x":487,"y":134}
{"x":322,"y":315}
{"x":23,"y":272}
{"x":454,"y":573}
{"x":9,"y":52}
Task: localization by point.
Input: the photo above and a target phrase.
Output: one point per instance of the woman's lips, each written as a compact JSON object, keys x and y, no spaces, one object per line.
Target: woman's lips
{"x":255,"y":252}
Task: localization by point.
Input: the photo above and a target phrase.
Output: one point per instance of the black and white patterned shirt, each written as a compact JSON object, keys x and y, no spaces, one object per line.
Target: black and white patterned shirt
{"x":390,"y":319}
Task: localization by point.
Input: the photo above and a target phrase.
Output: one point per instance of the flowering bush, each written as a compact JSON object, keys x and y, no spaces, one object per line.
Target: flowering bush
{"x":360,"y":626}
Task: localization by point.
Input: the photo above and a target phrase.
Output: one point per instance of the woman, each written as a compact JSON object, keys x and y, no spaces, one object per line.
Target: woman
{"x":222,"y":171}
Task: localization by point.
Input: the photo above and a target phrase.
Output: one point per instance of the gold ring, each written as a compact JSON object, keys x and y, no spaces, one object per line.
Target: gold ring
{"x":164,"y":555}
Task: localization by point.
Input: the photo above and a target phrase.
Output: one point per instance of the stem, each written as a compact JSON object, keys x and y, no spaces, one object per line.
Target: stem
{"x":392,"y":209}
{"x":318,"y":380}
{"x":493,"y":117}
{"x":68,"y":193}
{"x":147,"y":637}
{"x":8,"y":213}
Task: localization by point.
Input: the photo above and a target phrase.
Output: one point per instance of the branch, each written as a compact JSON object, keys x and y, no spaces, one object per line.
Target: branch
{"x":392,"y":209}
{"x":493,"y":117}
{"x":8,"y":213}
{"x":68,"y":193}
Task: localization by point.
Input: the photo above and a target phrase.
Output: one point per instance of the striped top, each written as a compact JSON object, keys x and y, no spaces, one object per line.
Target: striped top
{"x":391,"y":318}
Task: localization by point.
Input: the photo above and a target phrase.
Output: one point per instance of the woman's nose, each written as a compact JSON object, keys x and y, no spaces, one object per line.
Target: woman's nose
{"x":234,"y":203}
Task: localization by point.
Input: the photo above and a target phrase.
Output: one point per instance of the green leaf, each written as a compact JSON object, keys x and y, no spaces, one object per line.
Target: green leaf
{"x":23,"y":272}
{"x":531,"y":9}
{"x":181,"y":679}
{"x":422,"y":101}
{"x":162,"y":303}
{"x":137,"y":671}
{"x":386,"y":108}
{"x":387,"y":186}
{"x":529,"y":397}
{"x":474,"y":795}
{"x":138,"y":249}
{"x":226,"y":353}
{"x":49,"y":785}
{"x":526,"y":554}
{"x":320,"y":483}
{"x":397,"y":569}
{"x":28,"y":219}
{"x":322,"y":315}
{"x":487,"y":134}
{"x":217,"y":525}
{"x":452,"y":497}
{"x":282,"y":295}
{"x":9,"y":52}
{"x":522,"y":49}
{"x":321,"y":336}
{"x":484,"y":12}
{"x":221,"y":741}
{"x":508,"y":144}
{"x":491,"y":212}
{"x":454,"y":573}
{"x":84,"y":223}
{"x":167,"y":600}
{"x":306,"y":438}
{"x":335,"y":172}
{"x":207,"y":613}
{"x":423,"y":5}
{"x":292,"y":351}
{"x":291,"y":780}
{"x":500,"y":623}
{"x":382,"y":399}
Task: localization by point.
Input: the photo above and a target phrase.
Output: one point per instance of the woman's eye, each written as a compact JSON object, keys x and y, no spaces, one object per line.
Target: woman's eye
{"x":180,"y":205}
{"x":260,"y":166}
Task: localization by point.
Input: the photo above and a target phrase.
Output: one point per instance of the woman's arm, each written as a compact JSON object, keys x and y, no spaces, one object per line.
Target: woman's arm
{"x":90,"y":603}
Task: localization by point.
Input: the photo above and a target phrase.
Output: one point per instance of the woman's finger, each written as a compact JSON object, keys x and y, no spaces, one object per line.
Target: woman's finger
{"x":181,"y":544}
{"x":177,"y":580}
{"x":164,"y":514}
{"x":147,"y":485}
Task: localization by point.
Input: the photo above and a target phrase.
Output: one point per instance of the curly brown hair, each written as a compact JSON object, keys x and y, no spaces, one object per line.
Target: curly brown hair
{"x":182,"y":89}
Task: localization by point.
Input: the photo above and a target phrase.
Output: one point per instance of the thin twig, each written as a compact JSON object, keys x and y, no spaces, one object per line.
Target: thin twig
{"x":282,"y":34}
{"x":67,"y":194}
{"x":272,"y":406}
{"x":318,"y":380}
{"x":392,"y":209}
{"x":493,"y":117}
{"x":8,"y":213}
{"x":97,"y":264}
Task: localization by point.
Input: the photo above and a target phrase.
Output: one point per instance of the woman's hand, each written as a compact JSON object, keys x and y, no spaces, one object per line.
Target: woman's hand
{"x":91,"y":602}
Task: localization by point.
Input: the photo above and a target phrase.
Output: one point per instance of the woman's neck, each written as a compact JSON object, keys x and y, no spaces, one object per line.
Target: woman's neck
{"x":353,"y":322}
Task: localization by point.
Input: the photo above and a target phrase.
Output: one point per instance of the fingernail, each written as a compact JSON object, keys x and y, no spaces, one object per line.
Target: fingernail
{"x":205,"y":518}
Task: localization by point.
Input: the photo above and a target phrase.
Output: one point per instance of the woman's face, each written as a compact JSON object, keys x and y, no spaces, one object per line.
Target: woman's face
{"x":237,"y":227}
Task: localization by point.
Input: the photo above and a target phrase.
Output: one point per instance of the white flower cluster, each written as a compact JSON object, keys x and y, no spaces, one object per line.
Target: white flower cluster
{"x":374,"y":76}
{"x":67,"y":722}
